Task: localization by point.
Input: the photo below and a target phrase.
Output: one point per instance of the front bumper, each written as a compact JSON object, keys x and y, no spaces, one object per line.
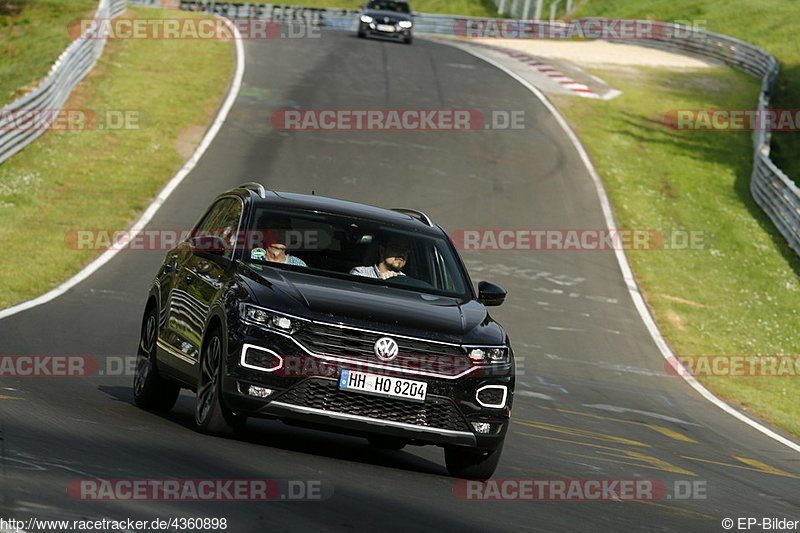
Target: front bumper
{"x":373,"y":28}
{"x":313,"y":397}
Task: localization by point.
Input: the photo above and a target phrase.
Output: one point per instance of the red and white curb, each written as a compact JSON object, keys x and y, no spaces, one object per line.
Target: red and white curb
{"x":580,"y":89}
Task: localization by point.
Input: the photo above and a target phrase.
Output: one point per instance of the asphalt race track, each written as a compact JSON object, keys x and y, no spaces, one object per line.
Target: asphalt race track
{"x":593,"y":400}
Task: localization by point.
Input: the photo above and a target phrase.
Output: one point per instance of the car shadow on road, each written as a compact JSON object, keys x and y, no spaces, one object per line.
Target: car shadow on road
{"x":277,"y":435}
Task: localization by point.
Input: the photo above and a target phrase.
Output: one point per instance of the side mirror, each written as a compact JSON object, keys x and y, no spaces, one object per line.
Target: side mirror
{"x":212,"y":244}
{"x":490,"y":294}
{"x":361,"y":6}
{"x":415,"y":13}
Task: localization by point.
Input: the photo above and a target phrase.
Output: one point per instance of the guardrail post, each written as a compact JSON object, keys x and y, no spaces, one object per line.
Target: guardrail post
{"x":553,"y":8}
{"x":538,"y":14}
{"x":526,"y":11}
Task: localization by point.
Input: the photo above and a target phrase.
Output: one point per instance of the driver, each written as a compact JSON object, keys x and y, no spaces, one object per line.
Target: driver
{"x":392,"y":258}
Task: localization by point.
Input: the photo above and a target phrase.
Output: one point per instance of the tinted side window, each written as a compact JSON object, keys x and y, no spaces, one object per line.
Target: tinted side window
{"x":222,"y":221}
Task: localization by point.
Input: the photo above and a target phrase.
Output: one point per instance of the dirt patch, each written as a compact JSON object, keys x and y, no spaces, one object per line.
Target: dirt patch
{"x":675,"y":320}
{"x":188,"y":140}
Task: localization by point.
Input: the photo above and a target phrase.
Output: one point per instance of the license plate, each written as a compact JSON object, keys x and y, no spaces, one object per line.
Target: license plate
{"x":384,"y":27}
{"x":383,"y":385}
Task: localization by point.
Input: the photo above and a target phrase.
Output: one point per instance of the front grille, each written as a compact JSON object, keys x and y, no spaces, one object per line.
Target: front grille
{"x":330,"y":339}
{"x":324,"y":394}
{"x":424,"y":355}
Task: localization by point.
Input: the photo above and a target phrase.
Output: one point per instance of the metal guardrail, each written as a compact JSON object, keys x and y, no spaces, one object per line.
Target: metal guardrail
{"x":70,"y":68}
{"x":776,"y":194}
{"x":772,"y":190}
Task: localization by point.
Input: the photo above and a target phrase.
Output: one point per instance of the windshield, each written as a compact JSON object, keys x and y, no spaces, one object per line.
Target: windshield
{"x":355,"y":249}
{"x":389,"y":5}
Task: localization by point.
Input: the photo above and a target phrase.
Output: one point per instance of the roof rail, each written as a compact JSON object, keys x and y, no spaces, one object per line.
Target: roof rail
{"x":255,"y":187}
{"x":419,"y":215}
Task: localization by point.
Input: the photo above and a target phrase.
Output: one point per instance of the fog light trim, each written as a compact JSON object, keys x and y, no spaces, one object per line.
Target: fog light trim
{"x":492,"y":405}
{"x":244,"y":363}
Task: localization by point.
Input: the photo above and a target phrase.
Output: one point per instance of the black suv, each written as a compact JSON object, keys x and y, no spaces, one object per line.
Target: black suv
{"x":387,"y":18}
{"x":332,"y":315}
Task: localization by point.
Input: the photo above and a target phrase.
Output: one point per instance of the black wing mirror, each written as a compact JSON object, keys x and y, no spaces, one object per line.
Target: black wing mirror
{"x":490,"y":293}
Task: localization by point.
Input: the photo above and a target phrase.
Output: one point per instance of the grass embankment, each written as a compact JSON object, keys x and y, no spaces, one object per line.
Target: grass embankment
{"x":771,"y":24}
{"x":740,"y":295}
{"x":98,"y":179}
{"x":32,"y":36}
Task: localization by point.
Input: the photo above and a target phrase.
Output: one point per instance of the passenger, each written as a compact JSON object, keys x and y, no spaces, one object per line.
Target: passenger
{"x":276,"y":250}
{"x":393,"y":257}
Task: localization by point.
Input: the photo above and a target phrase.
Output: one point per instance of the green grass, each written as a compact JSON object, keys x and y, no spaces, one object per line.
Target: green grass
{"x":771,"y":24}
{"x":104,"y":179}
{"x":741,"y":295}
{"x":32,"y":36}
{"x":471,"y":8}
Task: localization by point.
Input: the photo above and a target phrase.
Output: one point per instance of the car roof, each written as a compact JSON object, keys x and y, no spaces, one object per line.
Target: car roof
{"x":409,"y":219}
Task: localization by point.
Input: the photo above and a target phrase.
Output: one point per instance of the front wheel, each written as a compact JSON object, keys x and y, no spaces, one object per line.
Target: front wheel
{"x":210,"y":414}
{"x":150,"y":390}
{"x":472,"y":464}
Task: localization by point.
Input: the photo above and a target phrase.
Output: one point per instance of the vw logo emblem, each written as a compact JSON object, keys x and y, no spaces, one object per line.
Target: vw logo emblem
{"x":386,"y":348}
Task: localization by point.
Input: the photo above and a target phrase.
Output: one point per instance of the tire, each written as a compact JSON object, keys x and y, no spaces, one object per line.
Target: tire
{"x":362,"y":35}
{"x":408,"y":40}
{"x":150,"y":391}
{"x":210,"y":414}
{"x":472,"y":464}
{"x":387,"y":443}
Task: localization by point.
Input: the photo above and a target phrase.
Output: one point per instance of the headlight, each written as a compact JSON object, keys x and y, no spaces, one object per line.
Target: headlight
{"x":405,"y":24}
{"x":366,"y":19}
{"x":488,"y":354}
{"x":270,"y":319}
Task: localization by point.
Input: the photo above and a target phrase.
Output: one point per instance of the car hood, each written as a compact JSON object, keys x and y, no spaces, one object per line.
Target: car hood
{"x":374,"y":306}
{"x":380,"y":14}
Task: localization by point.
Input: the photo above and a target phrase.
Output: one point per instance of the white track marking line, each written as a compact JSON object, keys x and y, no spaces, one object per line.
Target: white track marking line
{"x":627,"y":274}
{"x":162,"y":197}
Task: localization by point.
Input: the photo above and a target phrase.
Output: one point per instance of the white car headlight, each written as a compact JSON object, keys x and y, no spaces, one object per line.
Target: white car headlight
{"x":405,"y":24}
{"x":270,"y":319}
{"x":366,"y":19}
{"x":488,"y":354}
